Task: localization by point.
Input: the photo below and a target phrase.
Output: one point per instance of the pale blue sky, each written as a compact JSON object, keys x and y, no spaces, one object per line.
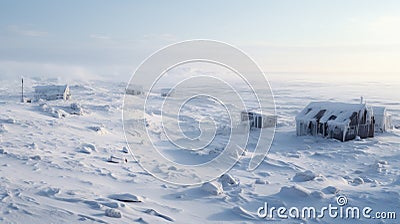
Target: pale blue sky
{"x":88,"y":38}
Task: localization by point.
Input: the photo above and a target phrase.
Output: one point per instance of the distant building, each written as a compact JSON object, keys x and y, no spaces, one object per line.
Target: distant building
{"x":52,"y":92}
{"x":383,"y":121}
{"x":165,"y":92}
{"x":341,"y":121}
{"x":258,"y":120}
{"x":134,"y":90}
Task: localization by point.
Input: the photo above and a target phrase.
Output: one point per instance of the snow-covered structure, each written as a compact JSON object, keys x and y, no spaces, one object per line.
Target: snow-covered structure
{"x":52,"y":92}
{"x":167,"y":92}
{"x":257,"y":119}
{"x":382,"y":119}
{"x":341,"y":121}
{"x":134,"y":90}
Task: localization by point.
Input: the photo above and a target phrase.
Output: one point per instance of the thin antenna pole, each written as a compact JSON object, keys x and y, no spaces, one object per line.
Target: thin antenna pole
{"x":22,"y":88}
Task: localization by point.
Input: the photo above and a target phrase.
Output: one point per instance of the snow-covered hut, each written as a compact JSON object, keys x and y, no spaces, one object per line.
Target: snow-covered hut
{"x":134,"y":90}
{"x":167,"y":92}
{"x":257,"y":119}
{"x":52,"y":92}
{"x":341,"y":121}
{"x":382,"y":119}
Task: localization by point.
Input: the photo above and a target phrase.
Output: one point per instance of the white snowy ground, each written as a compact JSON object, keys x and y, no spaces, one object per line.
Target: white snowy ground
{"x":55,"y":169}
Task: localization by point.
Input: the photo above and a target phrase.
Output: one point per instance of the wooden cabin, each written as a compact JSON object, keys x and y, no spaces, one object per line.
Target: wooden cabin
{"x":165,"y":92}
{"x":52,"y":92}
{"x":257,"y":119}
{"x":134,"y":90}
{"x":341,"y":121}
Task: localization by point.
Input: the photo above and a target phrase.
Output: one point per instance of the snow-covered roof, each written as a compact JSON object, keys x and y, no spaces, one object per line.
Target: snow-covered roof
{"x":167,"y":90}
{"x":338,"y":113}
{"x":51,"y":89}
{"x":258,"y":112}
{"x":135,"y":87}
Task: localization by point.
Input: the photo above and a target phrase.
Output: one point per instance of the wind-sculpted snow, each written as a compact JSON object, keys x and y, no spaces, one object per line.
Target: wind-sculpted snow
{"x":57,"y":169}
{"x":184,"y":117}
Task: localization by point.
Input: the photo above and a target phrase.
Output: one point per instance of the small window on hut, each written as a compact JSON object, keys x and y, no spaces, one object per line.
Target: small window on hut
{"x":320,"y":114}
{"x":333,"y":117}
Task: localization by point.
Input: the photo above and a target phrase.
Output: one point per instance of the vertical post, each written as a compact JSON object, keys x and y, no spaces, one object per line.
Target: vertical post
{"x":22,"y":92}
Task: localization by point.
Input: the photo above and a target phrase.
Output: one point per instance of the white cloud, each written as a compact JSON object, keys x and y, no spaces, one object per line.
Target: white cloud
{"x":27,"y":32}
{"x":100,"y":37}
{"x":161,"y":37}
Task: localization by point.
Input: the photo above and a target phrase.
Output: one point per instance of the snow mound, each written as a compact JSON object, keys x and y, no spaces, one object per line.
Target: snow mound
{"x":228,"y":180}
{"x":8,"y":121}
{"x":213,"y":188}
{"x":397,"y":181}
{"x":368,"y":180}
{"x":307,"y":175}
{"x":49,"y":192}
{"x":113,"y":204}
{"x":317,"y":194}
{"x":126,"y":197}
{"x":85,"y":150}
{"x":380,"y":166}
{"x":3,"y":128}
{"x":155,"y":213}
{"x":37,"y":157}
{"x":125,"y":149}
{"x":295,"y":191}
{"x":358,"y":181}
{"x":76,"y":109}
{"x":331,"y":190}
{"x":99,"y":129}
{"x":383,"y":162}
{"x":33,"y":146}
{"x":116,"y":159}
{"x":60,"y":113}
{"x":93,"y":204}
{"x":264,"y":174}
{"x":261,"y":181}
{"x":56,"y":113}
{"x":244,"y":213}
{"x":114,"y":213}
{"x":88,"y":148}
